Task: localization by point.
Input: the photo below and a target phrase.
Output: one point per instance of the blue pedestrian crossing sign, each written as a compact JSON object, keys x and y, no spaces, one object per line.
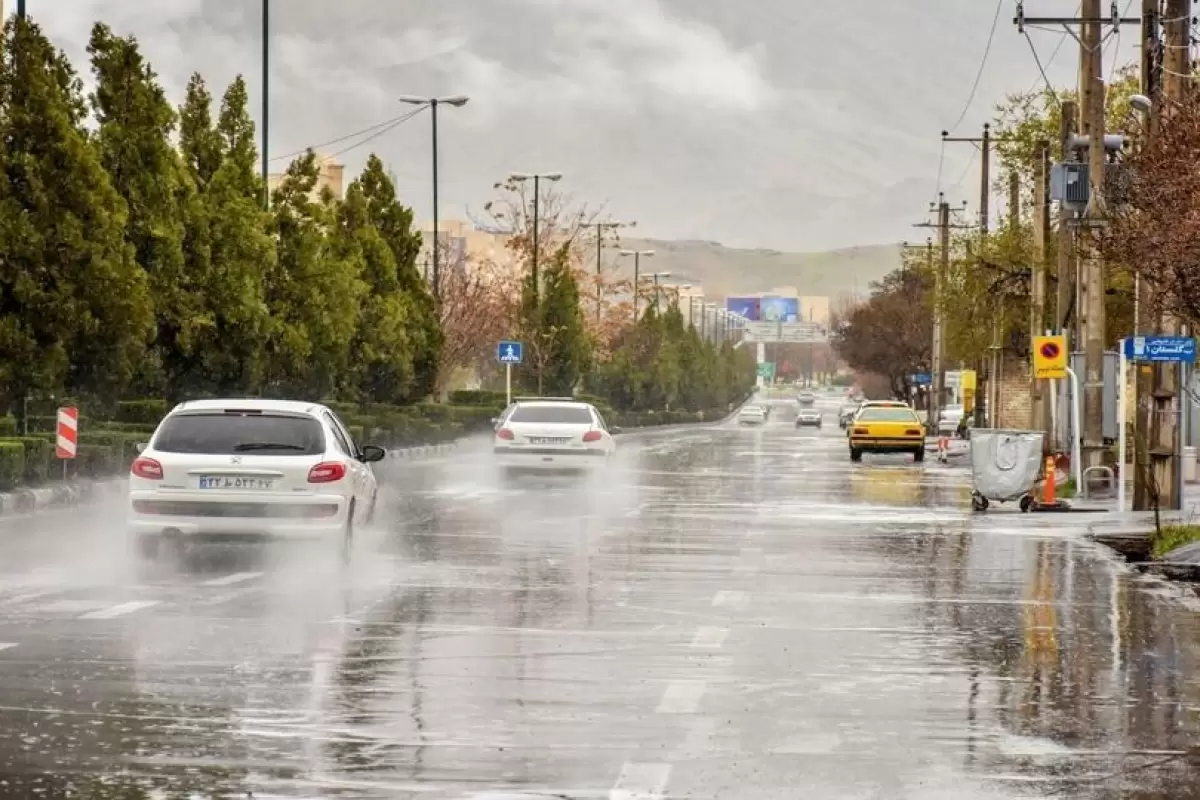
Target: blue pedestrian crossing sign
{"x":510,"y":352}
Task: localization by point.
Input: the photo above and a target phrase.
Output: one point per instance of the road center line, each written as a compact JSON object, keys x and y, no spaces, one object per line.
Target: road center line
{"x":709,"y":638}
{"x":682,"y":697}
{"x":641,"y":781}
{"x":728,"y":598}
{"x":229,"y":580}
{"x":119,"y":610}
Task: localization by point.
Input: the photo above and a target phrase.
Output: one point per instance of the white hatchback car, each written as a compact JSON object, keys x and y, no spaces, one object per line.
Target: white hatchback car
{"x":552,"y":434}
{"x":266,"y":468}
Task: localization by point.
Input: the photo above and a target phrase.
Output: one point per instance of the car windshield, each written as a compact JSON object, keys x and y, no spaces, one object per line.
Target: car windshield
{"x":564,"y":414}
{"x":224,"y":433}
{"x":887,"y":414}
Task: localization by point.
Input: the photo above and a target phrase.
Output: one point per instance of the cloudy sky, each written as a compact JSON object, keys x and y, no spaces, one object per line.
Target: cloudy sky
{"x":787,"y":124}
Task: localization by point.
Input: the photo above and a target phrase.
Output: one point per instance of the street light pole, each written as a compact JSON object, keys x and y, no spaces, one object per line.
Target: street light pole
{"x":637,"y":263}
{"x":537,"y":193}
{"x":21,"y":9}
{"x":600,"y":226}
{"x":458,"y":101}
{"x":655,"y":276}
{"x":266,"y":96}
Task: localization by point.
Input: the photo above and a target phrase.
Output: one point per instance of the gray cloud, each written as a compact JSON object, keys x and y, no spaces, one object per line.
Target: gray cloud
{"x":774,"y":123}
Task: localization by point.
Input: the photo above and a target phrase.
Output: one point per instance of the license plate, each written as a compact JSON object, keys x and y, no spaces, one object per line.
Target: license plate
{"x":546,"y":440}
{"x":236,"y":482}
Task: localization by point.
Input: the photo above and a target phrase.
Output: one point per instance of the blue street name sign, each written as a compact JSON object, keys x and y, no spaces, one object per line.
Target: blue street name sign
{"x":510,"y":352}
{"x":921,"y":379}
{"x":1161,"y":348}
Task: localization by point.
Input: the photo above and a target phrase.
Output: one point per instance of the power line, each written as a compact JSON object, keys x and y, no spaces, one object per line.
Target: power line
{"x":379,"y":133}
{"x":982,"y":64}
{"x":388,"y":124}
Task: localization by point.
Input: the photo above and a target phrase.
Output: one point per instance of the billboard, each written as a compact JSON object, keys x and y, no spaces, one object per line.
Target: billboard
{"x":748,"y":307}
{"x":780,"y":309}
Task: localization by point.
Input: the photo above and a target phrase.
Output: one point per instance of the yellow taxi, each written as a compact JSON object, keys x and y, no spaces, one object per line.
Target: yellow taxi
{"x":886,"y":426}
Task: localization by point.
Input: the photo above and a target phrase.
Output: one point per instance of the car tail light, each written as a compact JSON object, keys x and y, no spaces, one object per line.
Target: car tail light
{"x":592,"y":436}
{"x":504,"y":433}
{"x":147,"y":468}
{"x":861,"y":431}
{"x":327,"y":472}
{"x":912,"y":432}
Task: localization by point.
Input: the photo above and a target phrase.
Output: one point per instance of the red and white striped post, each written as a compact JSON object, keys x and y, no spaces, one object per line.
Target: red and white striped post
{"x":68,"y":436}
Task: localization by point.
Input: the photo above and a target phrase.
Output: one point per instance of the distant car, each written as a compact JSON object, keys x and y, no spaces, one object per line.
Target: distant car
{"x":886,"y":427}
{"x":806,"y":398}
{"x":270,"y":468}
{"x":552,"y":434}
{"x":752,"y":415}
{"x":808,"y":417}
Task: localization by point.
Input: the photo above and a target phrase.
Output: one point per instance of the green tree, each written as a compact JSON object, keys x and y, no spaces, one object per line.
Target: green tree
{"x":394,"y":222}
{"x":228,"y":246}
{"x":75,"y":312}
{"x":554,"y":328}
{"x":135,"y":123}
{"x":315,"y":290}
{"x":381,"y":352}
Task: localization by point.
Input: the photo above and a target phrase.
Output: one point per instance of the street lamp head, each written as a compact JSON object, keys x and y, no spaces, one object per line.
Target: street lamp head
{"x":526,"y":176}
{"x":1141,"y":103}
{"x":551,"y":176}
{"x":457,"y":100}
{"x":413,"y":100}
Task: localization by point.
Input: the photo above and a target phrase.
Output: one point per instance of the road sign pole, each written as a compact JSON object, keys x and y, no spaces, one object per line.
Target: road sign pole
{"x":1076,"y":430}
{"x":1122,"y":376}
{"x":507,"y":385}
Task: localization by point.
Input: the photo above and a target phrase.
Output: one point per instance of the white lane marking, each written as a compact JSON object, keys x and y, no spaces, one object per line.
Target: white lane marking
{"x":750,"y":560}
{"x":682,"y":697}
{"x":7,"y":645}
{"x":641,"y":781}
{"x":229,"y":580}
{"x":119,"y":610}
{"x":728,"y":598}
{"x":709,"y":638}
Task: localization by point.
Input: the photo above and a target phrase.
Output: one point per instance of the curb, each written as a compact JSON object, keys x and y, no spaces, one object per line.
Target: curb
{"x":423,"y":451}
{"x":30,"y":501}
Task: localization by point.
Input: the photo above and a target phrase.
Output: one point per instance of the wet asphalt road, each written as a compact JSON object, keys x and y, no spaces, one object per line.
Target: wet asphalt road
{"x":733,"y":613}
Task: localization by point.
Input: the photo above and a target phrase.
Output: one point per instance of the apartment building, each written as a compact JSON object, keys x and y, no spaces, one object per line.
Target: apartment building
{"x":330,"y":176}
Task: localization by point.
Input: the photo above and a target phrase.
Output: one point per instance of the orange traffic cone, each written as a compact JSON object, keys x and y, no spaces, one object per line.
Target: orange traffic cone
{"x":1048,"y":486}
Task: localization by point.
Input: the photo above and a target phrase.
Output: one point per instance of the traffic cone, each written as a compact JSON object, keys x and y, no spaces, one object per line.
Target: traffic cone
{"x":1048,"y":486}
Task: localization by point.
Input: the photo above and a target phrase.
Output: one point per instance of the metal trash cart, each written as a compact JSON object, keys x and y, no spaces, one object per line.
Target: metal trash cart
{"x":1005,"y":466}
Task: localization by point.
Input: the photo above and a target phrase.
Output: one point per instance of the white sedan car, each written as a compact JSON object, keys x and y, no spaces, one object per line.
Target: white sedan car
{"x":552,"y":435}
{"x":259,"y":468}
{"x":752,"y":415}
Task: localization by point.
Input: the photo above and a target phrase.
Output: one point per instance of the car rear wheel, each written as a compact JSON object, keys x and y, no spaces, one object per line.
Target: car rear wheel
{"x":919,"y":455}
{"x":855,"y":454}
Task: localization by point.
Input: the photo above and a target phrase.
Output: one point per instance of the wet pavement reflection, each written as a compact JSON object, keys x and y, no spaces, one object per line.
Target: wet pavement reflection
{"x":729,"y":613}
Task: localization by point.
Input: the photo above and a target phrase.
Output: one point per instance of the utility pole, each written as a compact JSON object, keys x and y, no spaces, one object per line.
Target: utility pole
{"x":1037,"y":306}
{"x":938,"y":346}
{"x":600,"y":228}
{"x":1143,"y":324}
{"x":1091,"y":77}
{"x":988,"y":402}
{"x":1168,"y":405}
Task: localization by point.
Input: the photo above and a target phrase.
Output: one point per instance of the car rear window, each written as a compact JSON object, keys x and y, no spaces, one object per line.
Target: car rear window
{"x":225,"y":433}
{"x":886,"y":414}
{"x":576,"y":415}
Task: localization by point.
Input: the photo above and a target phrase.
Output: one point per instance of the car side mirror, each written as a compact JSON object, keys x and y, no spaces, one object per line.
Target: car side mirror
{"x":141,"y":446}
{"x":372,"y":453}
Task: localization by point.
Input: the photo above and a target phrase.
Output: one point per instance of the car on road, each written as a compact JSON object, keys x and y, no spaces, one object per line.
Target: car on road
{"x":546,"y":434}
{"x":808,"y":417}
{"x":886,"y":427}
{"x":752,"y":414}
{"x":251,"y":468}
{"x":806,"y":398}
